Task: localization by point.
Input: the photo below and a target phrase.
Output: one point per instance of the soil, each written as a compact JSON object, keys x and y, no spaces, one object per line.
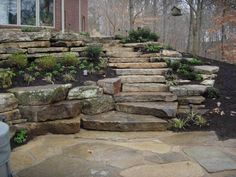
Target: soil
{"x":224,"y":121}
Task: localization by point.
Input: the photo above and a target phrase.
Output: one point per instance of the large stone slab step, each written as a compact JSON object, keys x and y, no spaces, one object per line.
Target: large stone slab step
{"x":138,"y":65}
{"x":145,"y":87}
{"x":142,"y":79}
{"x":118,"y":121}
{"x":145,"y":97}
{"x":158,"y":109}
{"x":118,"y":54}
{"x":159,"y":71}
{"x":118,"y":49}
{"x":129,"y":60}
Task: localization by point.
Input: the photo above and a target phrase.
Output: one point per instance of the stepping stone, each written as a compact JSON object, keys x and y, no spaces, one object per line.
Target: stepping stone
{"x":171,"y":53}
{"x":211,"y":159}
{"x":159,"y":109}
{"x":128,"y":60}
{"x":138,"y":65}
{"x":110,"y":85}
{"x":142,"y":79}
{"x":191,"y":100}
{"x":160,"y":71}
{"x":118,"y":121}
{"x":145,"y":87}
{"x":123,"y":54}
{"x":145,"y":97}
{"x":206,"y":69}
{"x":118,"y":49}
{"x":188,"y":90}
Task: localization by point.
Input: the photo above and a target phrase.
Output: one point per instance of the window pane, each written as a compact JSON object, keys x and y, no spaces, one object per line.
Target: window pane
{"x":8,"y":12}
{"x":46,"y":12}
{"x":28,"y":12}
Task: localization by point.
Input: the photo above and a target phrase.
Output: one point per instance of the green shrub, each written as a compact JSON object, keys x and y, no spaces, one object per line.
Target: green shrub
{"x":69,"y":59}
{"x":153,"y":48}
{"x":94,"y":52}
{"x":28,"y":78}
{"x":175,"y":65}
{"x":84,"y":34}
{"x":20,"y":136}
{"x":6,"y":77}
{"x":30,"y":29}
{"x":212,"y":93}
{"x":46,"y":63}
{"x":195,"y":61}
{"x":141,"y":35}
{"x":18,"y":60}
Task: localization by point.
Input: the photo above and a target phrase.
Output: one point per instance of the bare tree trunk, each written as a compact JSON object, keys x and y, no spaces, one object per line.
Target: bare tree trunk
{"x":164,"y":19}
{"x":131,"y":14}
{"x":190,"y":33}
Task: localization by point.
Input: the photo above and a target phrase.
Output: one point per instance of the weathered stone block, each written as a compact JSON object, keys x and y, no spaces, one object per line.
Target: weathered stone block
{"x":41,"y":95}
{"x":8,"y":102}
{"x":98,"y":105}
{"x":68,"y":44}
{"x":56,"y":55}
{"x":191,"y":100}
{"x":10,"y":115}
{"x":209,"y":82}
{"x":171,"y":53}
{"x":206,"y":69}
{"x":188,"y":90}
{"x":111,"y":85}
{"x":57,"y":111}
{"x":78,"y":49}
{"x":45,"y":50}
{"x":84,"y":92}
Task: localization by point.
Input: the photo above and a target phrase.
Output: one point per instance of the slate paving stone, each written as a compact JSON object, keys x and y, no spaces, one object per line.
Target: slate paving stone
{"x":211,"y":159}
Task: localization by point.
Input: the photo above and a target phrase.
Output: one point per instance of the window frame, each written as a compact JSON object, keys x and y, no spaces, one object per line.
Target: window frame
{"x":37,"y":24}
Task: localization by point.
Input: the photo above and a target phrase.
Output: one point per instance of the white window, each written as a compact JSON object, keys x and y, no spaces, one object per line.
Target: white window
{"x":27,"y":12}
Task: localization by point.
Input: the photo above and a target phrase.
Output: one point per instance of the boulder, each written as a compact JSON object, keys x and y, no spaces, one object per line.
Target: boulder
{"x":67,"y":126}
{"x":111,"y":85}
{"x":41,"y":95}
{"x":98,"y":105}
{"x":57,"y":111}
{"x":10,"y":115}
{"x":8,"y":102}
{"x":191,"y":100}
{"x":188,"y":90}
{"x":84,"y":92}
{"x":171,"y":53}
{"x":206,"y":69}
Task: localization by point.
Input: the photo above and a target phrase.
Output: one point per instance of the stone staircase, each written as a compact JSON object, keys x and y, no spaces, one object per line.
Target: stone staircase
{"x":145,"y":102}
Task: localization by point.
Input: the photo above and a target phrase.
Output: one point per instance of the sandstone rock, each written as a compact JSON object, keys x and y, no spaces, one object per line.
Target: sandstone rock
{"x":68,"y":44}
{"x":188,"y":90}
{"x":209,"y":82}
{"x":24,"y":36}
{"x":123,"y":54}
{"x":67,"y":126}
{"x":90,"y":83}
{"x":117,"y":121}
{"x":40,"y":95}
{"x":8,"y":102}
{"x":12,"y":50}
{"x":98,"y":105}
{"x":78,"y":49}
{"x":208,"y":76}
{"x":56,"y":55}
{"x":206,"y":69}
{"x":161,"y":71}
{"x":145,"y":87}
{"x":142,"y":79}
{"x":67,"y":37}
{"x":139,"y":45}
{"x":61,"y":110}
{"x":128,"y":60}
{"x":4,"y":56}
{"x":158,"y":109}
{"x":46,"y":50}
{"x":10,"y":115}
{"x":171,"y":53}
{"x":84,"y":92}
{"x":145,"y":97}
{"x":191,"y":100}
{"x":111,"y":85}
{"x":138,"y":65}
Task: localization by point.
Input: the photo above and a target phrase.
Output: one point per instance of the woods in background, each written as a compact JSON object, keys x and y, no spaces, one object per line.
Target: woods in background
{"x":206,"y":27}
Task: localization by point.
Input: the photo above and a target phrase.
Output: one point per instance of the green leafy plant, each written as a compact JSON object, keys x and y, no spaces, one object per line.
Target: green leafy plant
{"x":195,"y":61}
{"x":28,"y":78}
{"x":46,"y":63}
{"x":140,"y":35}
{"x":153,"y":48}
{"x":18,"y":60}
{"x":84,"y":34}
{"x":6,"y":76}
{"x":178,"y":123}
{"x":200,"y":121}
{"x":20,"y":137}
{"x":69,"y":59}
{"x":49,"y":78}
{"x":68,"y":77}
{"x":102,"y":64}
{"x":212,"y":93}
{"x":94,"y":52}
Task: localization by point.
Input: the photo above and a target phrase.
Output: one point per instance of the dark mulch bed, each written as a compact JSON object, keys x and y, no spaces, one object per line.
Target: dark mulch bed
{"x":224,"y":125}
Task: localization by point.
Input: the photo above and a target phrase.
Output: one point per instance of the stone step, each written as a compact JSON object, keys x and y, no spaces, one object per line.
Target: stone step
{"x":123,"y":54}
{"x":118,"y":121}
{"x":143,"y":79}
{"x":138,"y":65}
{"x":129,"y":60}
{"x":158,"y":109}
{"x":145,"y":87}
{"x":159,"y":71}
{"x":118,"y":49}
{"x":145,"y":97}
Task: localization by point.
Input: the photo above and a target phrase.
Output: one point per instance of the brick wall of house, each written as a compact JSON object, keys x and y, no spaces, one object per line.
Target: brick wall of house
{"x":84,"y":9}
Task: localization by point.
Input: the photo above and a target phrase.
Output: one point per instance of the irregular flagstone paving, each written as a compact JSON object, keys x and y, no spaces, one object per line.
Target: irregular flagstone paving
{"x":126,"y":154}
